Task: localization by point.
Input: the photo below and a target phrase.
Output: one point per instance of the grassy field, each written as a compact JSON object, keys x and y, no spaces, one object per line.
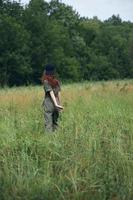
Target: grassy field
{"x":89,"y":158}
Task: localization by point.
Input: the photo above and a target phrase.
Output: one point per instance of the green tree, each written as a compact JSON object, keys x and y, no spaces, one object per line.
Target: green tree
{"x":130,"y":55}
{"x":12,"y":8}
{"x":100,"y":69}
{"x":14,"y":59}
{"x":37,"y":25}
{"x":114,"y":20}
{"x":54,"y":32}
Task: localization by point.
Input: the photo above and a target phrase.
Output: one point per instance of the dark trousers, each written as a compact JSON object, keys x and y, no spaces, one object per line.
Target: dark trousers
{"x":51,"y":116}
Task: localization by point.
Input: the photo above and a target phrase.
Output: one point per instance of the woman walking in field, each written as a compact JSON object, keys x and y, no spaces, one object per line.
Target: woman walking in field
{"x":51,"y":103}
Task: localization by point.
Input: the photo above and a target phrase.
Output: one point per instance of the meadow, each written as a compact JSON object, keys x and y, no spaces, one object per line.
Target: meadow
{"x":89,"y":157}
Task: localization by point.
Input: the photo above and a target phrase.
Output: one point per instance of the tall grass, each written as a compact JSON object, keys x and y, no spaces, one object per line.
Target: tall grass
{"x":90,"y":157}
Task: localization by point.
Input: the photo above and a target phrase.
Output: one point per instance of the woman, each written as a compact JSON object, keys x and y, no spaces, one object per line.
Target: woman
{"x":51,"y":103}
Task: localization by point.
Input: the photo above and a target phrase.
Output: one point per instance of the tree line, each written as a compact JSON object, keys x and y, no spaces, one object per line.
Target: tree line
{"x":80,"y":47}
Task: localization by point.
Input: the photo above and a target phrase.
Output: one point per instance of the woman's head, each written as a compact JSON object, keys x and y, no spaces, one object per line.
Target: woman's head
{"x":49,"y":69}
{"x":49,"y":75}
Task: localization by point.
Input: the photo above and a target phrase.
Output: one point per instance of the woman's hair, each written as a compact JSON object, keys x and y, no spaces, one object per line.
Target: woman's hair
{"x":51,"y":80}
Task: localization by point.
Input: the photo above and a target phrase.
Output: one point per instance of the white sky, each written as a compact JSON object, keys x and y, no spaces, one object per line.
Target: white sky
{"x":103,"y":9}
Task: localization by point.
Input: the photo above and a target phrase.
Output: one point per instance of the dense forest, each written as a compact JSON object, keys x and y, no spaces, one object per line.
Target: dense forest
{"x":81,"y":48}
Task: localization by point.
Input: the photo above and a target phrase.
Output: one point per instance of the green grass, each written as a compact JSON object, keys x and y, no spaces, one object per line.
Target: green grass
{"x":89,"y":158}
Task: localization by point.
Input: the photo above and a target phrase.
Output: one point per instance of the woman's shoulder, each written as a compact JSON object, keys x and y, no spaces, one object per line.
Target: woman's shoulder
{"x":45,"y":82}
{"x":47,"y":86}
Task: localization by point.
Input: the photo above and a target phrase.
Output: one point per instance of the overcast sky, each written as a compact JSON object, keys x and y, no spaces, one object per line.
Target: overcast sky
{"x":103,"y":9}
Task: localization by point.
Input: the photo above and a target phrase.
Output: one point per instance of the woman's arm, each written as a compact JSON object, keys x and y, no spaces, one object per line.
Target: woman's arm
{"x":54,"y":100}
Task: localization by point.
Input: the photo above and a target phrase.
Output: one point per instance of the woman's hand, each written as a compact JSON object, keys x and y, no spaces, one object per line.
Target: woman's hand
{"x":59,"y":107}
